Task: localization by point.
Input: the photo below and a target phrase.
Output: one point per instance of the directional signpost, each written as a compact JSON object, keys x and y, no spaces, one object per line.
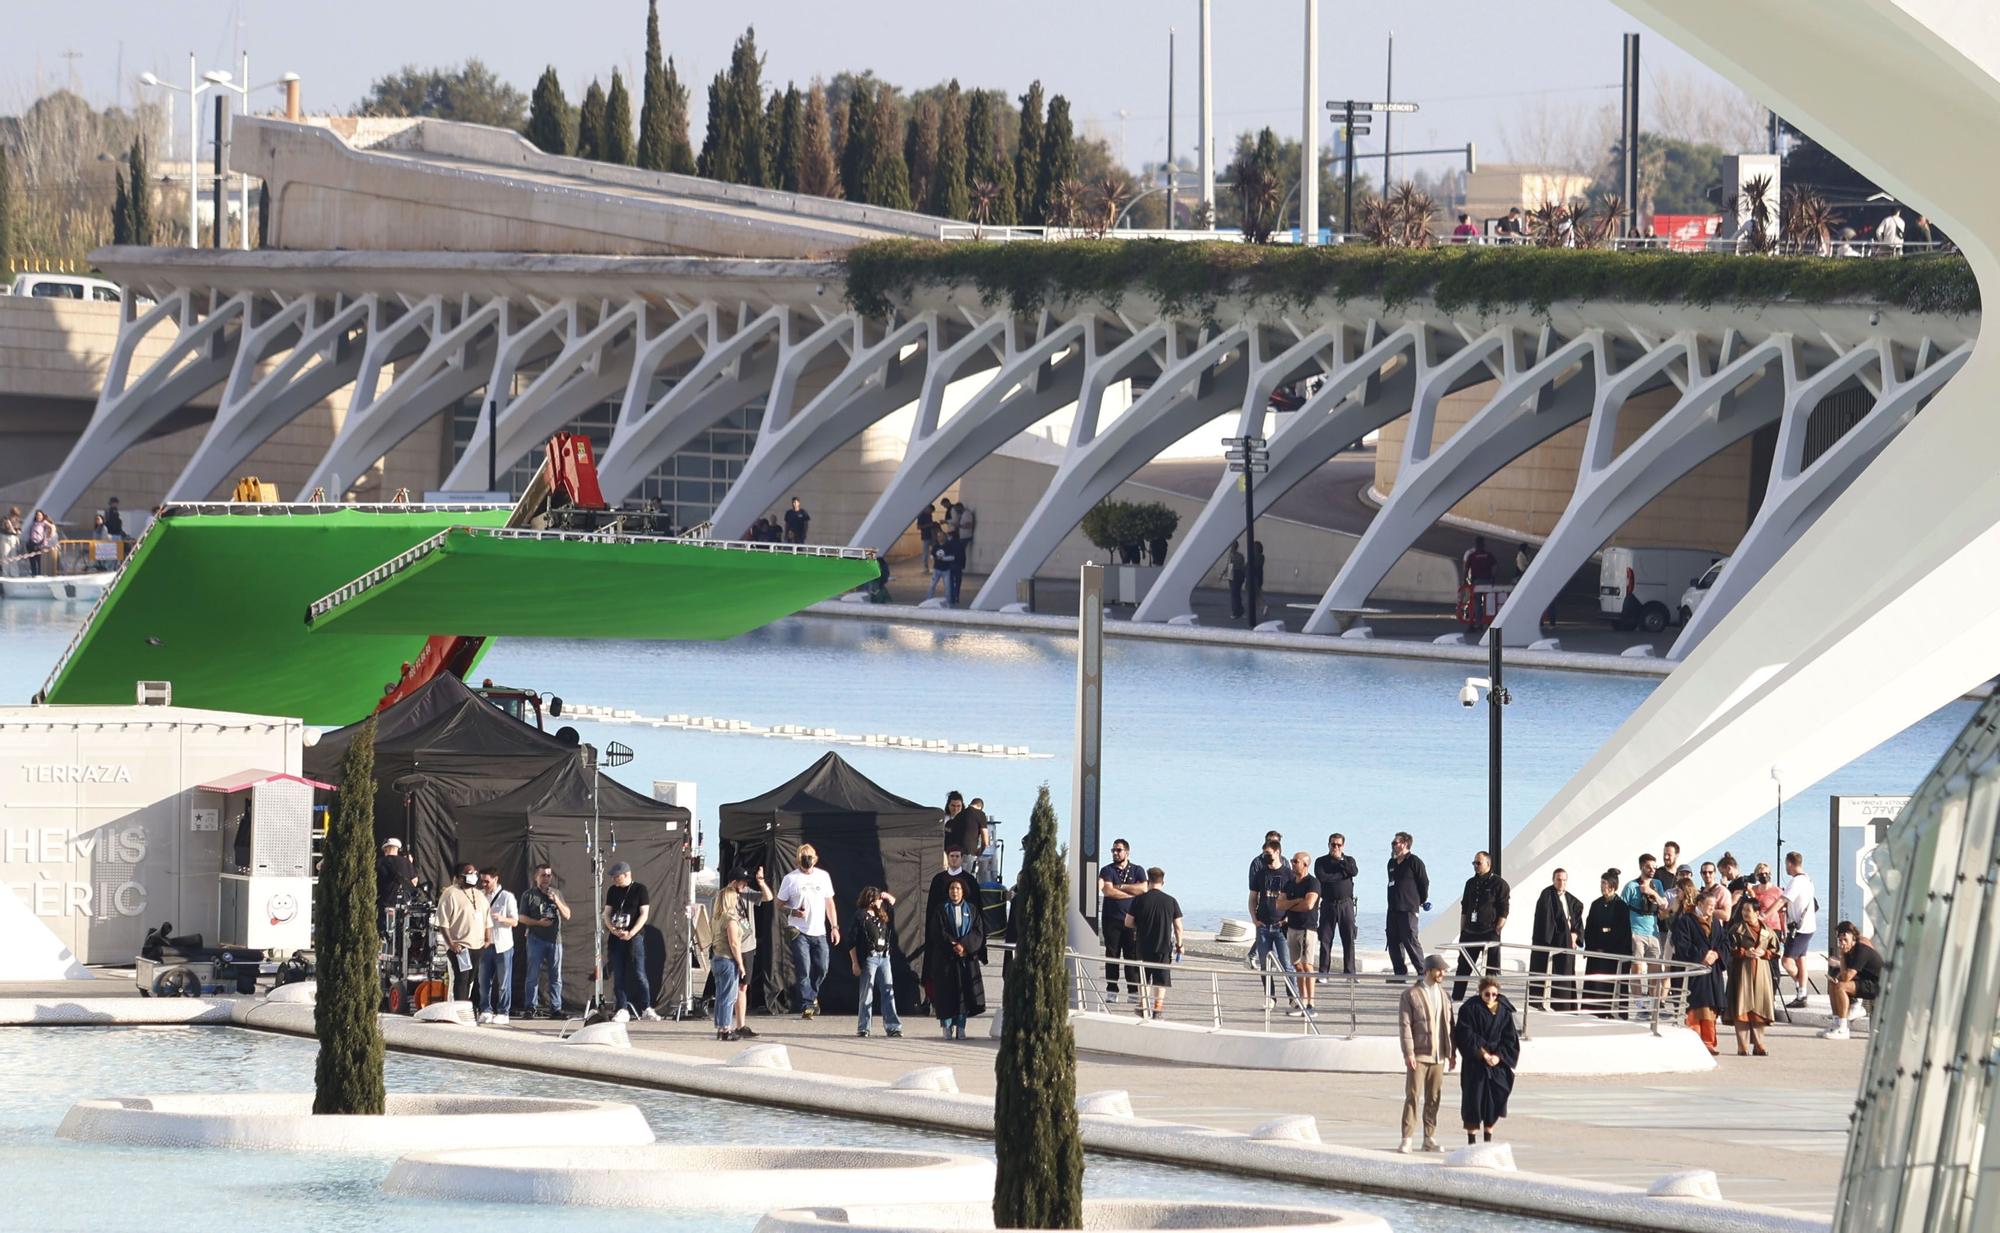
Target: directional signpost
{"x":1355,"y":120}
{"x":1251,"y":457}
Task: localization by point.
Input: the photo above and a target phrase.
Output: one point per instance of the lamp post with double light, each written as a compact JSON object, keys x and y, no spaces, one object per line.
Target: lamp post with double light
{"x":198,"y":84}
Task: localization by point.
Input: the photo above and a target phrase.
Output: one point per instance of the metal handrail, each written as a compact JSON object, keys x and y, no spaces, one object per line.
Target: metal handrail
{"x":172,"y":508}
{"x":1859,"y":246}
{"x":1667,"y":981}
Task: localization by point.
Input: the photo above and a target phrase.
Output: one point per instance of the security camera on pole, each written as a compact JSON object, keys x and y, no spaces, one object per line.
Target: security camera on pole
{"x":1496,"y":697}
{"x":1249,"y":457}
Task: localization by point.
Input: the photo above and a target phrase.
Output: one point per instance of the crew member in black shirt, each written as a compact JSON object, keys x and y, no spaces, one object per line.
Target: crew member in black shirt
{"x":1409,"y":890}
{"x":1120,"y":884}
{"x":796,"y":521}
{"x":1300,"y":900}
{"x":1482,"y":914}
{"x":1336,"y":872}
{"x":395,"y":874}
{"x":1156,"y":924}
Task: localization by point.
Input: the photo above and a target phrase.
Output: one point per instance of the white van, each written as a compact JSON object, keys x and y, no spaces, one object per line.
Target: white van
{"x":1639,"y":586}
{"x":1698,"y":589}
{"x":65,"y":287}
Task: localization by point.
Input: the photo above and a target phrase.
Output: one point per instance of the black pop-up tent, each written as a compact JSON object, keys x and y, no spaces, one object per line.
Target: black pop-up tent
{"x":865,"y":836}
{"x":449,"y":742}
{"x":548,"y":819}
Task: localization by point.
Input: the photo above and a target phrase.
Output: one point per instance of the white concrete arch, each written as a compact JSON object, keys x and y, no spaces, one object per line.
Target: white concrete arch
{"x":1713,"y":412}
{"x":1192,"y":387}
{"x":321,"y":361}
{"x":1798,"y":493}
{"x":454,"y":353}
{"x":199,"y":357}
{"x":1527,"y":407}
{"x":1029,"y":385}
{"x":878,"y":379}
{"x":1354,"y":400}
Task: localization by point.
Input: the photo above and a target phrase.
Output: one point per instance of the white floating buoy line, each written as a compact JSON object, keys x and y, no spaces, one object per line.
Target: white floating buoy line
{"x":818,"y":734}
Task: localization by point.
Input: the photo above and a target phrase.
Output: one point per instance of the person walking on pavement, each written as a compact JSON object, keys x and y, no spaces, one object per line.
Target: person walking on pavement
{"x":1557,"y":936}
{"x":1336,"y":872}
{"x":1482,"y":914}
{"x":873,"y":953}
{"x":951,"y":970}
{"x":1409,"y":891}
{"x":1426,"y":1024}
{"x":1802,"y":916}
{"x":811,"y":927}
{"x":725,"y":958}
{"x":1489,"y":1048}
{"x":626,"y":910}
{"x":747,"y":899}
{"x":1156,"y":924}
{"x":1120,"y":883}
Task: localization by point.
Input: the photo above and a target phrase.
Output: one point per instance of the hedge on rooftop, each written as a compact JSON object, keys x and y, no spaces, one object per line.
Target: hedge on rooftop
{"x":1189,"y":280}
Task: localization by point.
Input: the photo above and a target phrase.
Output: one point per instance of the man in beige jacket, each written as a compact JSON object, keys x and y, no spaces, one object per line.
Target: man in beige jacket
{"x":1427,"y":1023}
{"x":463,"y":917}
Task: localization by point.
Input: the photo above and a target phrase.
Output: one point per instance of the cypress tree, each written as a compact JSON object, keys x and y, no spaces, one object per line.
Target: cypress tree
{"x":1028,"y":156}
{"x":618,"y":122}
{"x":680,"y":153}
{"x":986,"y":156}
{"x":139,"y":182}
{"x":818,"y":173}
{"x":653,"y":98}
{"x":920,"y":151}
{"x":773,"y":120}
{"x":948,"y":194}
{"x":887,"y":179}
{"x":548,"y":114}
{"x":346,"y":943}
{"x":121,"y":211}
{"x":590,"y":123}
{"x":1037,"y":1145}
{"x":1058,"y":161}
{"x":721,"y":157}
{"x":746,"y":95}
{"x":786,"y":151}
{"x":856,"y":155}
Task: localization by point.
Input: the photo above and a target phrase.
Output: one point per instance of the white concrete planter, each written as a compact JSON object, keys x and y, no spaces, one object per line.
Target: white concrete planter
{"x":1105,"y":1215}
{"x":284,"y":1121}
{"x":747,"y":1179}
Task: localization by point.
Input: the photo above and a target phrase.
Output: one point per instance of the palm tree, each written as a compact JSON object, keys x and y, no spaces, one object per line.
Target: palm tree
{"x":985,"y":198}
{"x":1111,"y":191}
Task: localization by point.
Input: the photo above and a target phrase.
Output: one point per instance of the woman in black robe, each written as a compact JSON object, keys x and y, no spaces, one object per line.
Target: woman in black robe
{"x":1607,"y":932}
{"x":1700,"y":938}
{"x":1489,"y":1049}
{"x":951,"y":959}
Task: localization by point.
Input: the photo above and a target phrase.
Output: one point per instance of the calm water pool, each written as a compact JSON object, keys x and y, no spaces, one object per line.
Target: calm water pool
{"x":1204,"y":748}
{"x":53,"y":1186}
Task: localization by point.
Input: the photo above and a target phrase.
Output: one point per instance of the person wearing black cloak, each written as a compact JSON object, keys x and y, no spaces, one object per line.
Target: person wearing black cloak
{"x":1558,"y":935}
{"x":1607,"y":932}
{"x":1700,"y":938}
{"x":953,"y":936}
{"x":1488,"y":1050}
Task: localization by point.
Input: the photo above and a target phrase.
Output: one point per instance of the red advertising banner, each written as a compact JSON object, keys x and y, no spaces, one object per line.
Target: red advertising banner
{"x":1687,"y":233}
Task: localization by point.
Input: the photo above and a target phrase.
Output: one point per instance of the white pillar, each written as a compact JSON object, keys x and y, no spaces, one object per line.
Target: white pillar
{"x":1207,"y":135}
{"x":242,"y":177}
{"x":194,"y":154}
{"x":1309,"y":133}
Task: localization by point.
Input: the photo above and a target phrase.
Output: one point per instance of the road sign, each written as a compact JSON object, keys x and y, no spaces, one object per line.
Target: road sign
{"x":1401,"y":107}
{"x":1358,"y":130}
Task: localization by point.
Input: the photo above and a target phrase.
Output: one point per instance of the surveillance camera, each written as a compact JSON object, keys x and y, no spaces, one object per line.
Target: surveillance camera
{"x":1468,"y":696}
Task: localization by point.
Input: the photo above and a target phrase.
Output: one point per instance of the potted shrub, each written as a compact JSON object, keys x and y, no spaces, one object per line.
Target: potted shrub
{"x":1157,"y":524}
{"x":1115,"y":525}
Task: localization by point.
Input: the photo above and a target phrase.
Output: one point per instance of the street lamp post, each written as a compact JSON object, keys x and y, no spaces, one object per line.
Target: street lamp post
{"x":198,"y":83}
{"x":1249,"y":457}
{"x":1497,"y":697}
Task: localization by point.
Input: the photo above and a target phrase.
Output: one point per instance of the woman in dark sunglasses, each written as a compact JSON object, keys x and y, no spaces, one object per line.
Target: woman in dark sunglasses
{"x":1488,"y":1050}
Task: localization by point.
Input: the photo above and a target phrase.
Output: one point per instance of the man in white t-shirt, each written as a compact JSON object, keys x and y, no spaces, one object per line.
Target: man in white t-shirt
{"x":496,"y":961}
{"x":1802,"y":915}
{"x":810,"y":926}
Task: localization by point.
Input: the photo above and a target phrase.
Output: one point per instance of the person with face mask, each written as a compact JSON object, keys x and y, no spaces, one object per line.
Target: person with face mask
{"x":810,"y":926}
{"x":464,"y":917}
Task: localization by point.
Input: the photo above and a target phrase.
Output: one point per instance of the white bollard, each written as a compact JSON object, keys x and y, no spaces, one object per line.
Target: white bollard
{"x":928,"y":1079}
{"x":1105,"y":1104}
{"x":763,"y":1057}
{"x":1294,"y":1128}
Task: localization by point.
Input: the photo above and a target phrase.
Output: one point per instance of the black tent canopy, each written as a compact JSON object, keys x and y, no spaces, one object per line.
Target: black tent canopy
{"x":548,"y":820}
{"x":865,"y":836}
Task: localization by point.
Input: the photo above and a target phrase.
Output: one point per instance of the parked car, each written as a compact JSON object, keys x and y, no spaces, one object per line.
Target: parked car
{"x":1637,"y":587}
{"x":65,"y":287}
{"x":1698,"y":588}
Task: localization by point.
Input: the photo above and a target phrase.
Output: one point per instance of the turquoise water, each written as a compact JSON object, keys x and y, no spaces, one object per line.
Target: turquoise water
{"x":1204,"y":748}
{"x":54,"y":1186}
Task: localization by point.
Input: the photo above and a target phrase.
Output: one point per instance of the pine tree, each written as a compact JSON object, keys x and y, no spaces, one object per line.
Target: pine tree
{"x":721,"y":156}
{"x":618,"y":122}
{"x":590,"y":123}
{"x":818,"y":173}
{"x":986,"y":156}
{"x":140,"y":183}
{"x":856,"y":156}
{"x":548,"y":114}
{"x":680,"y":153}
{"x":1037,"y":1145}
{"x":920,"y":151}
{"x":346,"y":944}
{"x":746,"y":95}
{"x":1028,"y":156}
{"x":1058,"y":161}
{"x":948,"y":196}
{"x":786,"y":153}
{"x":887,"y":181}
{"x":653,"y":98}
{"x":121,"y":211}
